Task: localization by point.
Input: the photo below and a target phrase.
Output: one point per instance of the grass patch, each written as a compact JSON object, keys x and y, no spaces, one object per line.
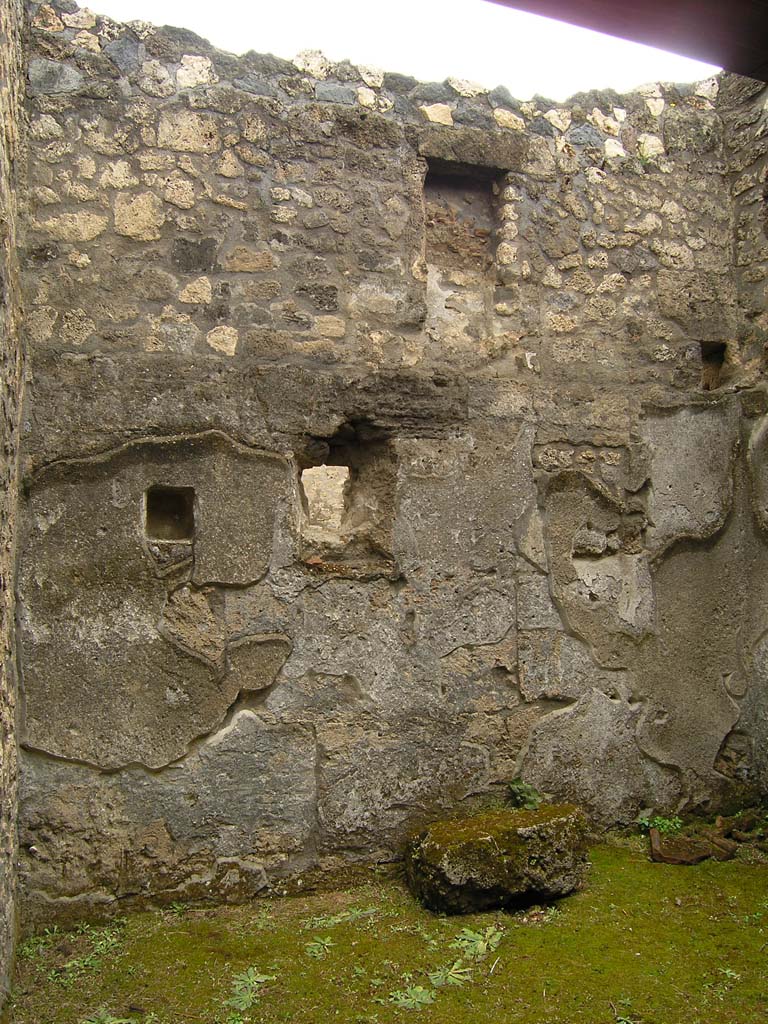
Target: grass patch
{"x":642,"y":944}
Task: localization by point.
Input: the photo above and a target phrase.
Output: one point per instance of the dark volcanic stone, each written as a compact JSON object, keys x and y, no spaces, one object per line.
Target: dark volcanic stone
{"x":191,"y":255}
{"x":48,"y":77}
{"x":330,"y":92}
{"x":498,"y":859}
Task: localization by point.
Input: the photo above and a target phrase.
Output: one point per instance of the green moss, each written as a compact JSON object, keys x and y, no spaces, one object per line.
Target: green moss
{"x":653,"y":943}
{"x":496,"y":824}
{"x":498,"y":858}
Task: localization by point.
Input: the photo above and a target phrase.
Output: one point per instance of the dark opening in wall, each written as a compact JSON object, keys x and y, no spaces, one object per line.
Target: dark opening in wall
{"x":170,"y":513}
{"x":712,"y":359}
{"x":459,"y":216}
{"x":348,"y":498}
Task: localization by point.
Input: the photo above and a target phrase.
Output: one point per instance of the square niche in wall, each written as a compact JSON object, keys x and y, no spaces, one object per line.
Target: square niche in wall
{"x":348,"y":500}
{"x":170,"y":513}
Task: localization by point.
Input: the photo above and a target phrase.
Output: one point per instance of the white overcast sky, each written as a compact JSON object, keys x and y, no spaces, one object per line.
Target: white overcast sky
{"x":429,"y":39}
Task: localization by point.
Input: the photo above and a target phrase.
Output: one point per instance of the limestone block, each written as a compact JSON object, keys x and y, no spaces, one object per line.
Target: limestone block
{"x":508,"y":119}
{"x":244,"y":260}
{"x":438,"y":113}
{"x":79,"y":19}
{"x":498,"y":859}
{"x":139,"y":216}
{"x":155,"y":79}
{"x":197,"y":291}
{"x":195,"y":71}
{"x":83,"y":226}
{"x":188,"y":132}
{"x":330,"y":326}
{"x":223,"y":339}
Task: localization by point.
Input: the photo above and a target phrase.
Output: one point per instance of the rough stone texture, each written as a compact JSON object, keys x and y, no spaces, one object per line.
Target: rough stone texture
{"x":11,"y":393}
{"x":530,"y":337}
{"x":498,"y":859}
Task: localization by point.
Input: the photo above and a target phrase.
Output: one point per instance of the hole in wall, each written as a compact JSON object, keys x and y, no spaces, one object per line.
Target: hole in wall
{"x":459,"y":216}
{"x":348,"y":498}
{"x":460,"y":229}
{"x":170,"y":513}
{"x":324,"y":488}
{"x":712,"y":360}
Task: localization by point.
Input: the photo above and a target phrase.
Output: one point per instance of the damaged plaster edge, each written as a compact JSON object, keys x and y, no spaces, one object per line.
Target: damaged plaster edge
{"x":560,"y":481}
{"x":732,"y":415}
{"x":238,"y":709}
{"x":106,"y":454}
{"x":692,"y":537}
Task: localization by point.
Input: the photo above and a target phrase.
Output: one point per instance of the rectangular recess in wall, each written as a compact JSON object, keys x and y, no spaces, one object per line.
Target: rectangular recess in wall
{"x":459,"y":216}
{"x":712,"y":360}
{"x":170,"y":513}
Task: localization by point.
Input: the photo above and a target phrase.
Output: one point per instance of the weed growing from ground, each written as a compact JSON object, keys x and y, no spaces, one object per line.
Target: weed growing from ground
{"x":667,"y":826}
{"x":415,"y":997}
{"x":103,"y":1016}
{"x":38,"y":944}
{"x":345,"y":917}
{"x":246,"y":988}
{"x":318,"y":947}
{"x":523,"y":796}
{"x":246,"y":991}
{"x":476,"y":945}
{"x":451,"y":974}
{"x":103,"y":941}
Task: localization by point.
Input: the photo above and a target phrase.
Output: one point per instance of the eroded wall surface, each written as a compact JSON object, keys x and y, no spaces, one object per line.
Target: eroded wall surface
{"x":11,"y":388}
{"x":515,"y":335}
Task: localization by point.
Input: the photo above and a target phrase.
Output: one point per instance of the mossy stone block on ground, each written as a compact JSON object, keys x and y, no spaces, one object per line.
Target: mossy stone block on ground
{"x":498,"y":859}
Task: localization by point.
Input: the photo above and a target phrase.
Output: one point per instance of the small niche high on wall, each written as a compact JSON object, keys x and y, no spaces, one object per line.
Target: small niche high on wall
{"x":712,"y":361}
{"x":460,"y":219}
{"x":170,"y":513}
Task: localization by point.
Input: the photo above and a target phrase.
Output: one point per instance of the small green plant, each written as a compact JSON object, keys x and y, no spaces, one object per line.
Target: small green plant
{"x":522,"y":795}
{"x":667,"y":826}
{"x":103,"y":941}
{"x":415,"y":997}
{"x":623,"y":1016}
{"x":37,"y":944}
{"x":344,"y":917}
{"x":476,"y":945}
{"x":246,"y":989}
{"x":103,"y":1016}
{"x":318,"y":947}
{"x":451,"y":974}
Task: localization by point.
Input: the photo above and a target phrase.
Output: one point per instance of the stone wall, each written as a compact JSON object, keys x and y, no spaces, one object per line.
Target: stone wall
{"x":516,"y":330}
{"x":744,"y":104}
{"x":11,"y":387}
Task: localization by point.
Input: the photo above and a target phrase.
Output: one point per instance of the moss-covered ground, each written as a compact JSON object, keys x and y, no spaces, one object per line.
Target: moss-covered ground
{"x":645,"y":943}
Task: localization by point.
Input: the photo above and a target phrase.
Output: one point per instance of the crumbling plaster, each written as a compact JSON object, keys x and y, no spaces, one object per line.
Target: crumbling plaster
{"x":506,"y":320}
